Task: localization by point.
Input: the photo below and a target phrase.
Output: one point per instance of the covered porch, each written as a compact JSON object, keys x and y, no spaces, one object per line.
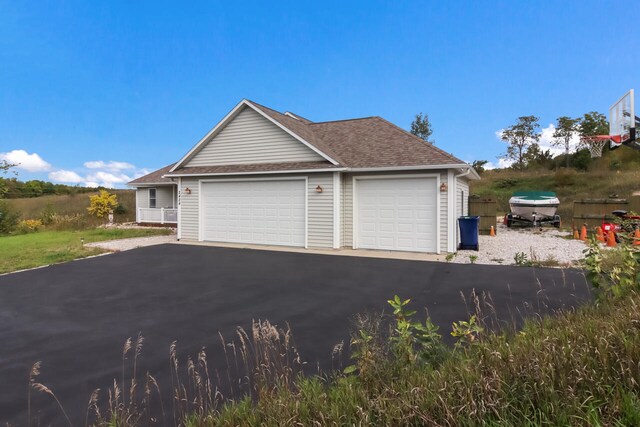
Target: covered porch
{"x":157,"y":204}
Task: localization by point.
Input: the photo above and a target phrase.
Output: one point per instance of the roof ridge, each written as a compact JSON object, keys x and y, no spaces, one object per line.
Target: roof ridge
{"x":432,"y":145}
{"x":345,"y":120}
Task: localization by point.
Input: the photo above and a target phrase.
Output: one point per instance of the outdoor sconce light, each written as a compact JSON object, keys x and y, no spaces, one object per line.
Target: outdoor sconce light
{"x":443,"y":187}
{"x":319,"y":189}
{"x":187,"y":190}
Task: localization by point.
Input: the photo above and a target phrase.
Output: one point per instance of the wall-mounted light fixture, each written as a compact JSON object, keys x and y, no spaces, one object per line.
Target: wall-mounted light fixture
{"x":187,"y":190}
{"x":319,"y":189}
{"x":443,"y":187}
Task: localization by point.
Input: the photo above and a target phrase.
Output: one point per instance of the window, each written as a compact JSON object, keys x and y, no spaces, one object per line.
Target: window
{"x":152,"y":197}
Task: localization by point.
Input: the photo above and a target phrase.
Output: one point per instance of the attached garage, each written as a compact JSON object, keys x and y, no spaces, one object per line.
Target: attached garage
{"x":269,"y":178}
{"x":396,"y":213}
{"x":268,"y":212}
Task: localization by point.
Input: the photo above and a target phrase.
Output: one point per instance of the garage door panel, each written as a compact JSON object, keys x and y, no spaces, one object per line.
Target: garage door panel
{"x":397,"y":214}
{"x":260,"y":212}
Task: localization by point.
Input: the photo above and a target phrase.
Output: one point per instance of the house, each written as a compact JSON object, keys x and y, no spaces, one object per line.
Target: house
{"x":264,"y":177}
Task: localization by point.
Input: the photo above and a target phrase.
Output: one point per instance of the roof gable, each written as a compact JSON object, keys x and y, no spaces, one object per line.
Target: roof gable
{"x":247,"y":135}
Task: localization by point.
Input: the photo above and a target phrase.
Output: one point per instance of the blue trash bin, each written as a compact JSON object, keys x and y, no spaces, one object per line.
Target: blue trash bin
{"x":469,"y":232}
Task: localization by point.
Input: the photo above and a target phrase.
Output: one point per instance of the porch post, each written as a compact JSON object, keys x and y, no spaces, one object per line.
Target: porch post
{"x":161,"y":215}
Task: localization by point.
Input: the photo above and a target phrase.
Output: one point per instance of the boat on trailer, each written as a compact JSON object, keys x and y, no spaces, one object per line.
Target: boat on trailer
{"x":534,"y":207}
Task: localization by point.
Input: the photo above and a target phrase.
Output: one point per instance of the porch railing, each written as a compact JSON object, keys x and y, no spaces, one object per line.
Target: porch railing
{"x":158,"y":215}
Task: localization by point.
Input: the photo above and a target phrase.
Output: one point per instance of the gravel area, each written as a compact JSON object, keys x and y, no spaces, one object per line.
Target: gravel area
{"x":548,"y":246}
{"x":136,"y":242}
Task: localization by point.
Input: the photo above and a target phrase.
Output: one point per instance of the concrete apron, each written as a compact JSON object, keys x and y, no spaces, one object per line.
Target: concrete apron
{"x":367,"y":253}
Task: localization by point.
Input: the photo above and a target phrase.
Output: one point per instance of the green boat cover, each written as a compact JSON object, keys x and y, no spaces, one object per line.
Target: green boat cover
{"x":534,"y":195}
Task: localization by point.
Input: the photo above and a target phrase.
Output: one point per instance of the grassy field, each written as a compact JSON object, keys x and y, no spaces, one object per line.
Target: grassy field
{"x":31,"y":208}
{"x":48,"y":247}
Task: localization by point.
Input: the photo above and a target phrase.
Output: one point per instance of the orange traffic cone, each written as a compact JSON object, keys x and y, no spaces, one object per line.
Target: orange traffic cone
{"x":492,"y":233}
{"x":636,"y":237}
{"x":575,"y":234}
{"x":611,"y":239}
{"x":600,"y":235}
{"x":583,"y":233}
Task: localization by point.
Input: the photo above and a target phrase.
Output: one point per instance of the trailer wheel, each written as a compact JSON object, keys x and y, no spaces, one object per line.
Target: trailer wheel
{"x":509,"y":220}
{"x":556,"y":221}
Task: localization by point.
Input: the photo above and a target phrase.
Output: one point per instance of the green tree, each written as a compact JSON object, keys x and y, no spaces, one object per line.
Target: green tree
{"x":421,"y":127}
{"x":4,"y":168}
{"x":566,"y":129}
{"x":102,"y":204}
{"x":519,"y":137}
{"x":593,"y":123}
{"x":478,"y":165}
{"x":536,"y":156}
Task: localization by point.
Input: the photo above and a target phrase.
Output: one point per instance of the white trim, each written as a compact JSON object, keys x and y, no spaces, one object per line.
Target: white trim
{"x":293,"y":134}
{"x":179,"y":227}
{"x":452,"y":189}
{"x":230,"y":116}
{"x":337,"y":226}
{"x":354,"y":202}
{"x":292,"y":178}
{"x":258,"y":173}
{"x":414,"y":168}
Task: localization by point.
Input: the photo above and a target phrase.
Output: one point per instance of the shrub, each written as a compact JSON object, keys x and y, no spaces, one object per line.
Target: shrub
{"x":8,"y":218}
{"x":102,"y":204}
{"x":48,"y":214}
{"x":29,"y":225}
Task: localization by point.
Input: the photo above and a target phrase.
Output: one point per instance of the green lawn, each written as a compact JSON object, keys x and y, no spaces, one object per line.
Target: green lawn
{"x":49,"y":247}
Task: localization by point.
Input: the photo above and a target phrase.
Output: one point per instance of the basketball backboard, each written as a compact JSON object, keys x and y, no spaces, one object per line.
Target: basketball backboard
{"x":622,"y":121}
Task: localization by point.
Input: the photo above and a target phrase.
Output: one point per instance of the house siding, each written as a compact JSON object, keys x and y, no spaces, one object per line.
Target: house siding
{"x":189,"y":209}
{"x":320,"y":211}
{"x":142,"y":198}
{"x":347,"y":206}
{"x":462,"y":204}
{"x":250,"y":138}
{"x":462,"y":197}
{"x":164,"y":197}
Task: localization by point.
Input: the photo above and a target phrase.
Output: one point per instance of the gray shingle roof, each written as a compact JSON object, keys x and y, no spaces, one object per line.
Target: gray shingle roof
{"x":154,"y":177}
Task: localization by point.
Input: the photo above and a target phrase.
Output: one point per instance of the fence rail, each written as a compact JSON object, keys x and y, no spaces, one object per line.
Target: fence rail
{"x":158,"y":215}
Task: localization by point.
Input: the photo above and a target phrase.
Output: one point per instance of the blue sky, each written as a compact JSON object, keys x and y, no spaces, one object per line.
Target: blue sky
{"x":99,"y":92}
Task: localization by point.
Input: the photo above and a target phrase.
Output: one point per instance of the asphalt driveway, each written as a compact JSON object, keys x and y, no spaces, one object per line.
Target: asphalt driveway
{"x":74,"y":317}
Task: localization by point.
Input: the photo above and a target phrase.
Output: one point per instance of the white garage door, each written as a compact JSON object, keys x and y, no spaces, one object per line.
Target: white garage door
{"x":260,"y":212}
{"x":397,"y":214}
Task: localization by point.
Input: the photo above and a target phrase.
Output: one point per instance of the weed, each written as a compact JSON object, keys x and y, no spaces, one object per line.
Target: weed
{"x":450,"y":256}
{"x":473,"y":259}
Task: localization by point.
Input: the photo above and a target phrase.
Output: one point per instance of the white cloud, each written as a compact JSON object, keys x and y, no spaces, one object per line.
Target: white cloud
{"x":65,"y":176}
{"x":97,"y":173}
{"x":29,"y":162}
{"x":107,"y":179}
{"x":110,"y":166}
{"x":547,"y":139}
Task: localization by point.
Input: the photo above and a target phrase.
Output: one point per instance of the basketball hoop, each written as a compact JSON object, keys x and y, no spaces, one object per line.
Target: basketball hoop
{"x":596,"y":143}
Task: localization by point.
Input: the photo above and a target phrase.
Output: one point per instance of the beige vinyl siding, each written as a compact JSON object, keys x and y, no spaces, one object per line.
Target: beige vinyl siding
{"x":347,"y":207}
{"x":164,"y":197}
{"x":189,"y":210}
{"x":251,"y":138}
{"x":320,"y":211}
{"x":142,"y":197}
{"x":346,"y":211}
{"x":462,"y":197}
